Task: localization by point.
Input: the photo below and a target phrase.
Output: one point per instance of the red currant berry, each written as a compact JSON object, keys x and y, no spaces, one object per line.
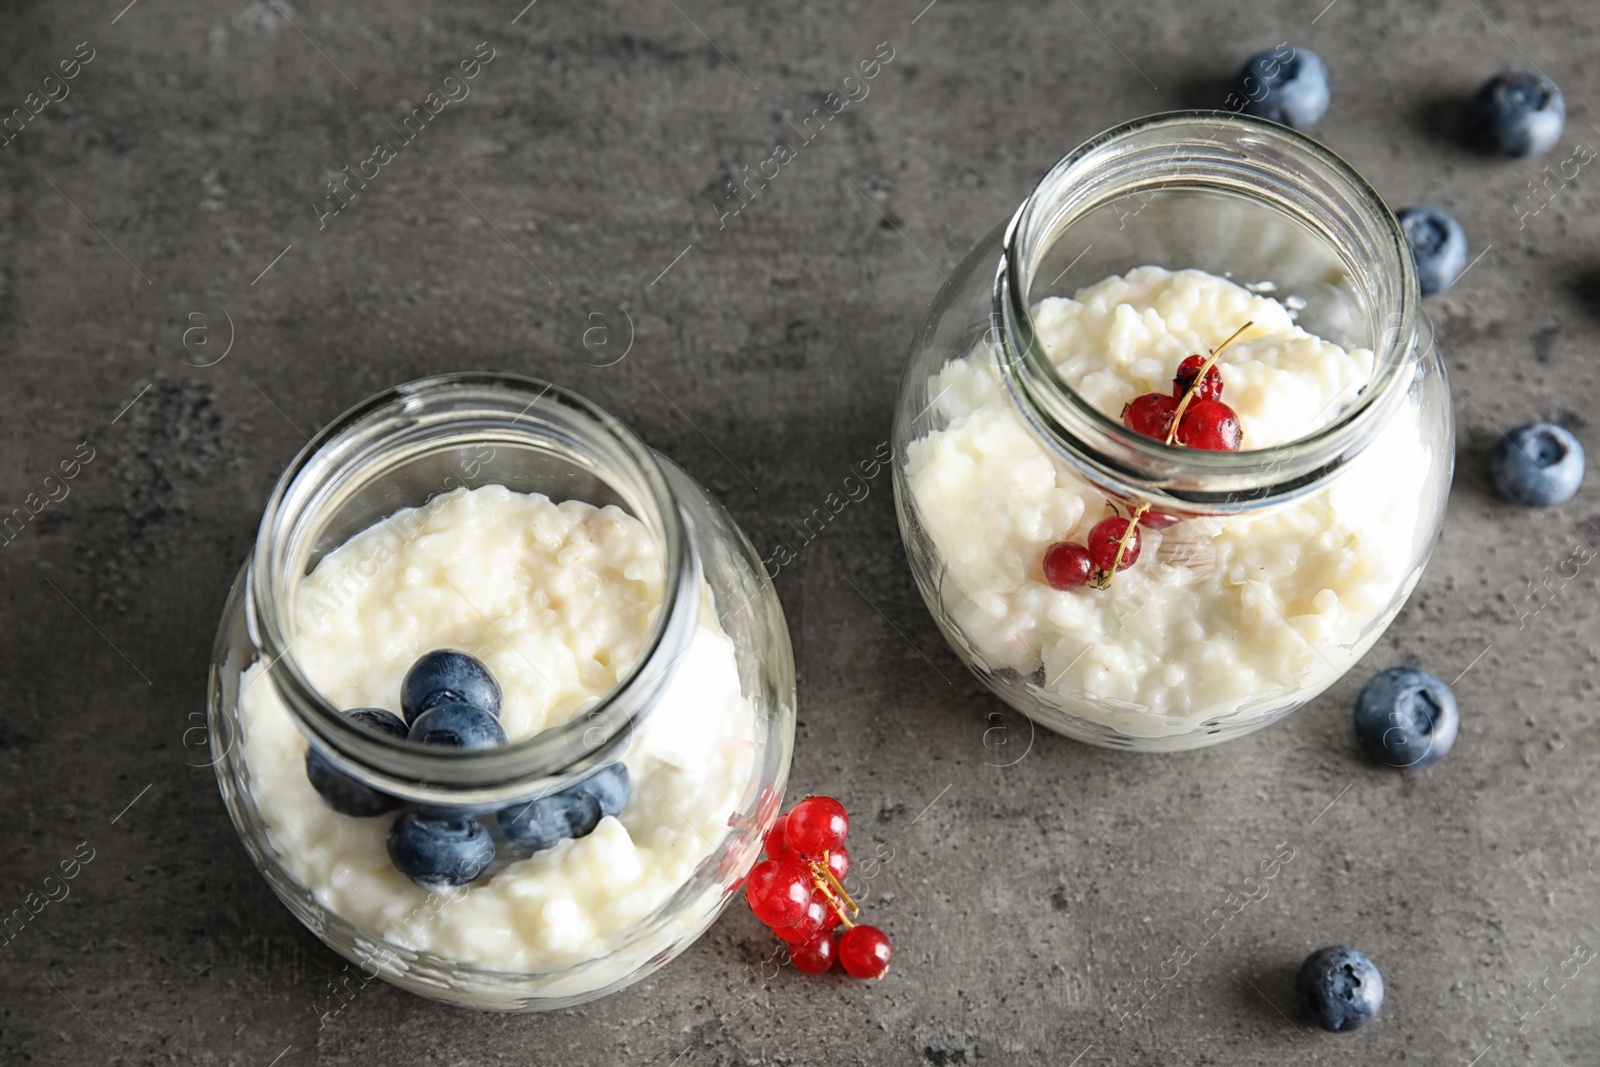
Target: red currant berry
{"x":1067,"y":566}
{"x":817,"y":955}
{"x":818,"y":918}
{"x":864,"y":952}
{"x":1150,"y":414}
{"x":779,"y":892}
{"x":1158,"y":520}
{"x":1103,"y":541}
{"x":1211,"y":425}
{"x":816,"y":825}
{"x":777,"y":842}
{"x":839,"y":863}
{"x":1210,"y":389}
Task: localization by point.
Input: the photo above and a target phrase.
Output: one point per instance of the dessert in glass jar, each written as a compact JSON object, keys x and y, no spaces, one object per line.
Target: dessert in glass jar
{"x":1174,"y":444}
{"x":502,"y":702}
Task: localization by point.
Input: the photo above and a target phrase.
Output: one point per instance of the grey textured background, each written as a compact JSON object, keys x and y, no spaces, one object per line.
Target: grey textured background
{"x":1024,"y":900}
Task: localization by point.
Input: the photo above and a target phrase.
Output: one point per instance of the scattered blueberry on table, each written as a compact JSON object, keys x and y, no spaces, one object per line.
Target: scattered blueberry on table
{"x":1517,"y":114}
{"x":1406,"y":718}
{"x":1438,"y":245}
{"x":545,"y":822}
{"x":1295,"y":83}
{"x":343,"y":793}
{"x":448,"y":674}
{"x":440,"y":849}
{"x":458,"y":725}
{"x":1538,"y":465}
{"x":1339,"y":988}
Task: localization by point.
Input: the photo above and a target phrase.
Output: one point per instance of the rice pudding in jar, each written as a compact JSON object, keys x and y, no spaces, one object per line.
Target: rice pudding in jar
{"x":502,"y":702}
{"x":1139,"y":582}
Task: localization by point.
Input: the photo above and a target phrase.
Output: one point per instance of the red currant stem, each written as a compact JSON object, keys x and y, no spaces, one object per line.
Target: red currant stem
{"x":1122,"y":545}
{"x":1194,"y":386}
{"x":833,"y":901}
{"x":838,"y":887}
{"x":830,"y":888}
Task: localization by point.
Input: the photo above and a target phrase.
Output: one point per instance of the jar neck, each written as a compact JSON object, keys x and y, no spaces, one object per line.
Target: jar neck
{"x":407,"y":446}
{"x":1224,"y":162}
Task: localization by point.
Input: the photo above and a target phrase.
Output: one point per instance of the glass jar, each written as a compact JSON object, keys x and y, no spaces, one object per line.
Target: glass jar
{"x":703,"y":718}
{"x":1289,"y":560}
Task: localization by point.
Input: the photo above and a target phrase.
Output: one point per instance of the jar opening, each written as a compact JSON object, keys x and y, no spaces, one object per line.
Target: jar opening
{"x":411,"y":445}
{"x":1237,"y":197}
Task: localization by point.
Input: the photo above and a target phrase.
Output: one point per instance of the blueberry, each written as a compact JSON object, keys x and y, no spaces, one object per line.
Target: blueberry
{"x":440,"y":849}
{"x":1438,"y":246}
{"x":545,"y":822}
{"x":609,"y":786}
{"x":386,"y":722}
{"x":458,"y":725}
{"x":1406,"y":718}
{"x":447,"y":674}
{"x":1290,"y":91}
{"x":1517,"y":114}
{"x":1538,"y":465}
{"x":1339,"y":988}
{"x":343,"y":793}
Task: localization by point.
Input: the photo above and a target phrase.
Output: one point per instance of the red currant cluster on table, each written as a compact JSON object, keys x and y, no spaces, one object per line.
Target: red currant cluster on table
{"x":798,"y":890}
{"x":1193,"y":416}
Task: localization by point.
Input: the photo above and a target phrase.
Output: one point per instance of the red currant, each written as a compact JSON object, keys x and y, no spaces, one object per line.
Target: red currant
{"x":779,"y":892}
{"x":1158,"y":520}
{"x":817,"y":955}
{"x":839,"y":863}
{"x":1067,"y":566}
{"x":1210,"y":389}
{"x":1103,"y":541}
{"x":1150,"y":414}
{"x":818,"y":918}
{"x":816,"y":825}
{"x":864,"y":952}
{"x":1210,"y":425}
{"x":777,"y":842}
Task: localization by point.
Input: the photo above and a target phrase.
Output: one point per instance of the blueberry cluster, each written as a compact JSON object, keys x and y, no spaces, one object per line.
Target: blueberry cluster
{"x":1406,"y":719}
{"x":1515,"y":115}
{"x":449,"y":698}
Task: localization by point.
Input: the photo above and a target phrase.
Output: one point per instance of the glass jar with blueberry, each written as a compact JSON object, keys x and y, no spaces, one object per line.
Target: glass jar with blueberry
{"x":1174,"y":444}
{"x":502,"y":702}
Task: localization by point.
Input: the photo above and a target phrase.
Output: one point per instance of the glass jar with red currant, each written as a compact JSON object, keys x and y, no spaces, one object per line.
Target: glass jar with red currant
{"x":1174,"y":444}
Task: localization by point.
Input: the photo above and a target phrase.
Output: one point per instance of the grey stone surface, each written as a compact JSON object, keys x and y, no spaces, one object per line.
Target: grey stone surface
{"x":1025,"y":900}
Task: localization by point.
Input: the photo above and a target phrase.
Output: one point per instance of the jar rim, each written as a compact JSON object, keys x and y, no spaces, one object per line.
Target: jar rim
{"x":432,"y":774}
{"x":1140,"y":464}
